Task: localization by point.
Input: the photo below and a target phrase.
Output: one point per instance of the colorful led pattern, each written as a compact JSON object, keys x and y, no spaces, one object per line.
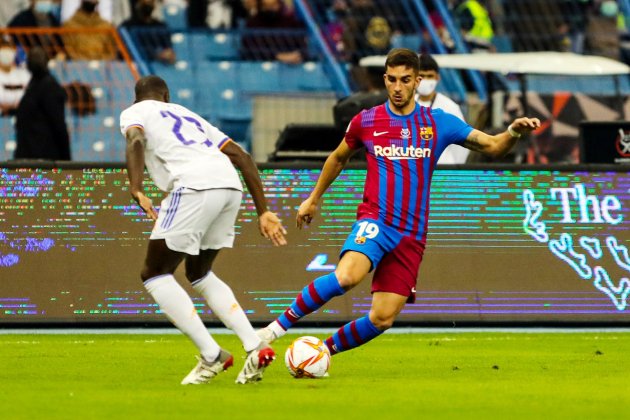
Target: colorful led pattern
{"x":502,"y":245}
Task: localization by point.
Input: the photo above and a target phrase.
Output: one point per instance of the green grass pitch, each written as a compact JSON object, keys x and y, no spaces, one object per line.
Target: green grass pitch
{"x":471,"y":375}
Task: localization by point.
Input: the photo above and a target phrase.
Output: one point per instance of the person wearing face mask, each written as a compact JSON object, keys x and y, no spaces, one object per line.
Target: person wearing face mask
{"x":602,"y":34}
{"x":88,"y":45}
{"x":154,"y":36}
{"x":40,"y":14}
{"x":426,"y":95}
{"x":40,"y":122}
{"x":13,"y":79}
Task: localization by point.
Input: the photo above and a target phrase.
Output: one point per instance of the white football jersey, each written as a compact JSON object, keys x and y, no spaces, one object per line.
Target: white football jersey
{"x":183,"y":149}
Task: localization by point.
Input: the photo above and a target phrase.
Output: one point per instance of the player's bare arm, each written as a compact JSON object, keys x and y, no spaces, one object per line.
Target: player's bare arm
{"x":269,"y":224}
{"x":335,"y":162}
{"x":136,"y":142}
{"x":498,"y":145}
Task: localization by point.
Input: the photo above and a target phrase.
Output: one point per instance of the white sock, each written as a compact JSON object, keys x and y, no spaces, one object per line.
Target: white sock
{"x":180,"y":310}
{"x":223,"y":304}
{"x":277,"y":329}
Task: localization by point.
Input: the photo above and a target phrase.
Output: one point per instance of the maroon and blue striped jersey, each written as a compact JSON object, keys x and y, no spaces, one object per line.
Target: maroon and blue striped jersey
{"x":402,"y":152}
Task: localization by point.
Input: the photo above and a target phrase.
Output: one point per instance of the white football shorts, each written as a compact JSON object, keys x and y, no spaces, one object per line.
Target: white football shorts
{"x":191,"y":220}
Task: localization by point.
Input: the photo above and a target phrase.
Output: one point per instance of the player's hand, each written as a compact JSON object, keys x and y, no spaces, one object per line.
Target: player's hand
{"x":271,"y":228}
{"x":146,"y":204}
{"x":525,"y":125}
{"x":305,"y":213}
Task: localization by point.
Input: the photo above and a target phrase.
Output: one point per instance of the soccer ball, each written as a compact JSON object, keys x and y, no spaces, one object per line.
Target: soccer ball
{"x":307,"y":357}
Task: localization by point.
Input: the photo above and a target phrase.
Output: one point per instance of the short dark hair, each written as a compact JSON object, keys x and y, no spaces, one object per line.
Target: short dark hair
{"x":427,"y":62}
{"x":403,"y":57}
{"x":150,"y":85}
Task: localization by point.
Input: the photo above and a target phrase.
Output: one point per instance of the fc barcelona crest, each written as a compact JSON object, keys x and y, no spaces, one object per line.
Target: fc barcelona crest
{"x":359,"y":240}
{"x":426,"y":133}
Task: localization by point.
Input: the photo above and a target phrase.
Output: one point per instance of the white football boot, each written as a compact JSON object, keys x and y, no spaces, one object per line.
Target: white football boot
{"x":255,"y":364}
{"x":204,"y":371}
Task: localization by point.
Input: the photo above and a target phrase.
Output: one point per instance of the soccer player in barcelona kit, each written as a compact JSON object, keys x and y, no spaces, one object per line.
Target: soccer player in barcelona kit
{"x":403,"y":141}
{"x":195,"y":163}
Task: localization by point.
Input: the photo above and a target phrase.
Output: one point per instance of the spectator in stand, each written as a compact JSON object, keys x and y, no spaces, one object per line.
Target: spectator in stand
{"x":475,"y":24}
{"x":114,"y":11}
{"x":536,"y":25}
{"x":39,"y":14}
{"x":154,"y":36}
{"x":602,"y":35}
{"x":88,"y":44}
{"x":334,"y":27}
{"x":428,"y":96}
{"x":287,"y":47}
{"x":216,"y":14}
{"x":368,"y":32}
{"x":575,"y":13}
{"x":40,"y":122}
{"x":10,"y":8}
{"x":13,"y":79}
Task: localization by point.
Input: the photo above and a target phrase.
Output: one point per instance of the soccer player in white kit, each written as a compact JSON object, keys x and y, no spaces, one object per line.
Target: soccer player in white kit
{"x":195,"y":163}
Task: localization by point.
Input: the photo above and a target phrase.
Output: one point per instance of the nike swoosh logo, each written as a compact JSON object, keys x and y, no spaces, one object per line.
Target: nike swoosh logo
{"x":379,"y":133}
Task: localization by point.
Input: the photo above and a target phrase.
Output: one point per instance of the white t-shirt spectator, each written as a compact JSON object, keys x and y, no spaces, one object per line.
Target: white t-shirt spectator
{"x":453,"y":153}
{"x":12,"y":86}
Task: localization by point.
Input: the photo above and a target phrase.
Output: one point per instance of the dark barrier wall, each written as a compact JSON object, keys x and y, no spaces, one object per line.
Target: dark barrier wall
{"x":509,"y":244}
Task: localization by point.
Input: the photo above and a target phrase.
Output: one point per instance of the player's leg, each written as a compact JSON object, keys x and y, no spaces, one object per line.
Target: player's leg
{"x":221,"y":208}
{"x":393,"y":285}
{"x":362,"y":251}
{"x":173,"y":300}
{"x":351,"y":270}
{"x":172,"y":238}
{"x":220,"y":297}
{"x":385,"y":307}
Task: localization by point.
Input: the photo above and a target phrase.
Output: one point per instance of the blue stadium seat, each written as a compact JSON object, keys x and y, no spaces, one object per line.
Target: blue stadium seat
{"x":92,"y":72}
{"x":214,"y":45}
{"x":502,"y":43}
{"x":237,"y":130}
{"x":180,"y":75}
{"x":228,"y":104}
{"x":314,"y":78}
{"x":97,"y":139}
{"x":184,"y":97}
{"x":7,"y":136}
{"x":261,"y":77}
{"x":175,"y":17}
{"x":181,"y":46}
{"x":217,"y":75}
{"x":411,"y":41}
{"x":290,"y":76}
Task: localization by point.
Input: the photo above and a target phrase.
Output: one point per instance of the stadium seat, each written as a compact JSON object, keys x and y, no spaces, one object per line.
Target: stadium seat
{"x":7,"y":133}
{"x":256,"y":76}
{"x":181,"y":47}
{"x":314,"y":78}
{"x":214,"y":76}
{"x":175,"y":17}
{"x":238,"y":130}
{"x":411,"y":41}
{"x":97,"y":139}
{"x":214,"y":46}
{"x":84,"y":71}
{"x":180,"y":75}
{"x":502,"y":43}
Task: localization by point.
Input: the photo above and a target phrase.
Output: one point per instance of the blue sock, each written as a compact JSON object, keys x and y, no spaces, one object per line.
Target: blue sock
{"x":351,"y":335}
{"x":312,"y":297}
